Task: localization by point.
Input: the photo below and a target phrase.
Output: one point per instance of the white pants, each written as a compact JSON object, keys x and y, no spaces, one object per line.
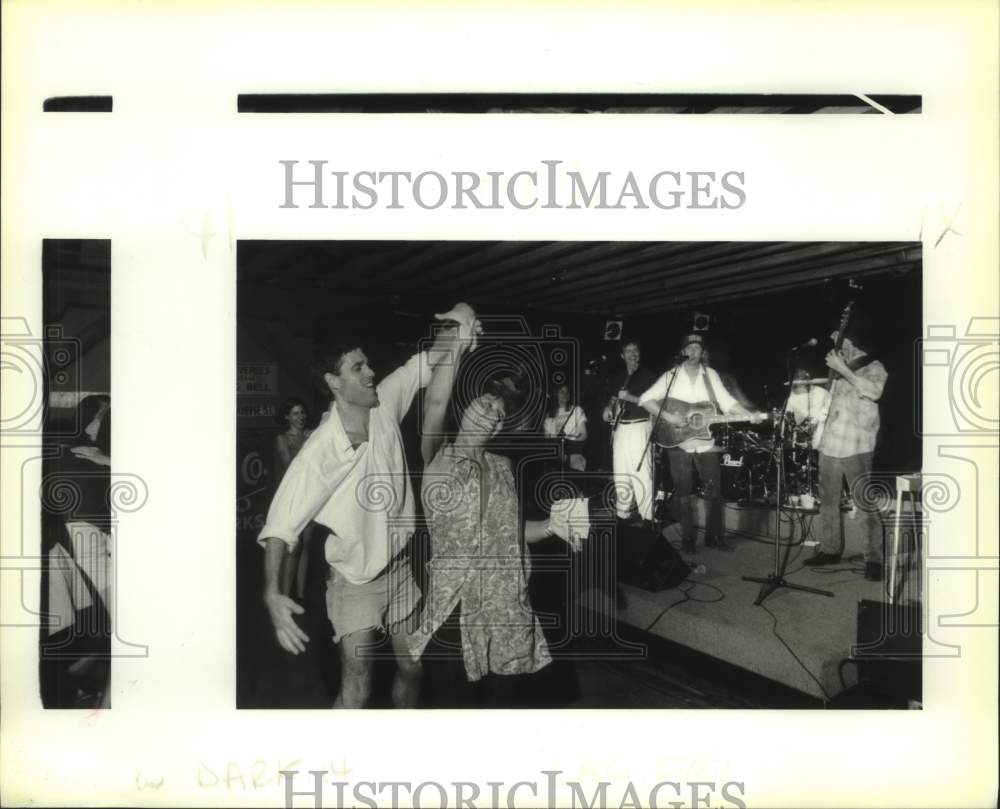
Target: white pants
{"x":68,"y":590}
{"x":633,"y":486}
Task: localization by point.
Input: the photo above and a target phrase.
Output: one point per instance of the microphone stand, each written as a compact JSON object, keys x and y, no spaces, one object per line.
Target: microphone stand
{"x":773,"y":581}
{"x":659,"y":415}
{"x":562,"y":445}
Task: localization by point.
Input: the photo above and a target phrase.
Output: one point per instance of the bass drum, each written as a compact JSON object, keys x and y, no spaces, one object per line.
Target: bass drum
{"x":735,"y":478}
{"x":746,"y":476}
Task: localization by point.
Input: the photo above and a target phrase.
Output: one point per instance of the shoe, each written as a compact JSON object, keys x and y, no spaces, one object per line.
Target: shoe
{"x":718,"y":542}
{"x":822,"y":558}
{"x":873,"y":571}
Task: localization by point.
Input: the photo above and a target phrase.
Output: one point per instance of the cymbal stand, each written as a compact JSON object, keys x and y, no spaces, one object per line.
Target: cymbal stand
{"x":776,"y":580}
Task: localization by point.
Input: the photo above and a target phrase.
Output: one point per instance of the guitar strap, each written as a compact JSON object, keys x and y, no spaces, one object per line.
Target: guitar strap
{"x":569,"y":415}
{"x":621,"y":404}
{"x":856,"y":365}
{"x":711,"y":391}
{"x":860,"y":362}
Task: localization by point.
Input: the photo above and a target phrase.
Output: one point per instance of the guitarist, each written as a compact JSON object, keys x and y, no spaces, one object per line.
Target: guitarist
{"x":630,"y":434}
{"x":848,"y":444}
{"x":693,"y":382}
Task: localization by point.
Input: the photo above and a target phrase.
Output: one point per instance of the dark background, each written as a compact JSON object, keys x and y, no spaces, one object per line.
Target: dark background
{"x":760,"y":300}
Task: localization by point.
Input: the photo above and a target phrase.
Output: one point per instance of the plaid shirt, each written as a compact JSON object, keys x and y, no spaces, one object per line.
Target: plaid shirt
{"x":853,"y":421}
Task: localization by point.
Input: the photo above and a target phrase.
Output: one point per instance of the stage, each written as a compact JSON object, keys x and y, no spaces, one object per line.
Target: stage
{"x":798,"y":639}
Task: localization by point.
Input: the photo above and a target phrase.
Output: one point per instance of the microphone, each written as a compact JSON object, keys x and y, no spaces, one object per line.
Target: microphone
{"x":807,"y":344}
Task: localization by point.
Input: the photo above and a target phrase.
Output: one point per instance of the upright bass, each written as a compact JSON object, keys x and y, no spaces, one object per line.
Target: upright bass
{"x":845,"y":319}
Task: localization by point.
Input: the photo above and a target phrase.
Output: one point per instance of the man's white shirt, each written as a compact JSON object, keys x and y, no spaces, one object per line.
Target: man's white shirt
{"x":362,"y":495}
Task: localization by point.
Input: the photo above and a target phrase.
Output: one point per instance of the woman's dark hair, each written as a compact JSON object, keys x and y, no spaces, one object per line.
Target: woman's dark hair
{"x":286,"y":407}
{"x":553,"y":407}
{"x":103,"y":439}
{"x":506,"y":387}
{"x":89,"y":407}
{"x":512,"y":388}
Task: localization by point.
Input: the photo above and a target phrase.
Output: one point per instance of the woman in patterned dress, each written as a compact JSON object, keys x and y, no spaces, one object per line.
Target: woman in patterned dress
{"x":478,"y":565}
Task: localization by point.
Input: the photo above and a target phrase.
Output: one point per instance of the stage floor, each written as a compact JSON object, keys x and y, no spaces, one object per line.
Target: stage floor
{"x":798,"y":639}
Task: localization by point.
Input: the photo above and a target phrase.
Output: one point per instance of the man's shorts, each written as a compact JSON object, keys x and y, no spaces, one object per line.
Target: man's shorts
{"x":383,"y":603}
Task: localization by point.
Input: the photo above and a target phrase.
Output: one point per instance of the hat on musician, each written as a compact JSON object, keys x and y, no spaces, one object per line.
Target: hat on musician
{"x":692,"y":338}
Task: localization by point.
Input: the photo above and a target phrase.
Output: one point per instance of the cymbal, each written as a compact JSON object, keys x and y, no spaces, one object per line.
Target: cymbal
{"x":820,"y":380}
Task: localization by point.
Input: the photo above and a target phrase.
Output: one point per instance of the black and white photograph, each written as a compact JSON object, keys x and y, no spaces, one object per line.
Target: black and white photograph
{"x":76,"y":516}
{"x":732,"y":422}
{"x":539,"y":404}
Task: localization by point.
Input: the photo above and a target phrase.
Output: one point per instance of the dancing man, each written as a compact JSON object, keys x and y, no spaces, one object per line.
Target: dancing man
{"x":847,"y":446}
{"x":630,"y":435}
{"x":693,"y":382}
{"x":350,"y":477}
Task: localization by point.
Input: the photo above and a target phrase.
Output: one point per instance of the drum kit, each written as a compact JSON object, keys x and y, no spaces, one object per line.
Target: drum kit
{"x":747,"y":461}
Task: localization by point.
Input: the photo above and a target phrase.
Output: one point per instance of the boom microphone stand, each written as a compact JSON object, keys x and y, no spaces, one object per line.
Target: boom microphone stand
{"x":659,"y":413}
{"x":777,"y":579}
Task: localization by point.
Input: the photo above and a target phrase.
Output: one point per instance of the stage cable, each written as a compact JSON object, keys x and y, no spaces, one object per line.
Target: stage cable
{"x":687,"y":597}
{"x":805,"y":668}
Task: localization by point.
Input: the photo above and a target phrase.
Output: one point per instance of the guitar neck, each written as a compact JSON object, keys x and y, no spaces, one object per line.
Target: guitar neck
{"x":731,"y":419}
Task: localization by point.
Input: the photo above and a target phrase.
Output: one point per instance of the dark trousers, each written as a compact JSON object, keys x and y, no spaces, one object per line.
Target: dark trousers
{"x":682,"y":467}
{"x":856,"y":470}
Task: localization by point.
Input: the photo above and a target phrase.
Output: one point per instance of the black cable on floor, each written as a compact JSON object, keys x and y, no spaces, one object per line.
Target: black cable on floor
{"x":687,"y":597}
{"x":805,"y":668}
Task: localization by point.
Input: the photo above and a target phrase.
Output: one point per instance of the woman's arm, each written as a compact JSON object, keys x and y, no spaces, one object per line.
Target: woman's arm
{"x":282,"y":455}
{"x":92,"y":454}
{"x":536,"y":530}
{"x":448,"y":349}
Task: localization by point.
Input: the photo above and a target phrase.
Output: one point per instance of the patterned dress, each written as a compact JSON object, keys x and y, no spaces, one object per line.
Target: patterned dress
{"x":478,"y":562}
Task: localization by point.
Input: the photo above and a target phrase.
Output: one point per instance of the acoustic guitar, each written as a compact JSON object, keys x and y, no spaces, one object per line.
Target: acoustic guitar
{"x":698,"y":418}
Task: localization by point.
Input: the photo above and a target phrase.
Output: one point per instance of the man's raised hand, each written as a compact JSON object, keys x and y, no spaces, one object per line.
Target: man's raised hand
{"x":469,"y":327}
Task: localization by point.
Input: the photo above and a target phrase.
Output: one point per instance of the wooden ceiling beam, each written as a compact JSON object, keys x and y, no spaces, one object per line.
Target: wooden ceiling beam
{"x":593,"y":261}
{"x":484,"y":255}
{"x":772,"y":282}
{"x":526,"y":261}
{"x":815,"y":257}
{"x":712,"y":254}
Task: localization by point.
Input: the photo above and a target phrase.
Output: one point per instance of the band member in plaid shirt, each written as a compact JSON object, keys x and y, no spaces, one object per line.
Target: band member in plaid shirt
{"x":847,"y":446}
